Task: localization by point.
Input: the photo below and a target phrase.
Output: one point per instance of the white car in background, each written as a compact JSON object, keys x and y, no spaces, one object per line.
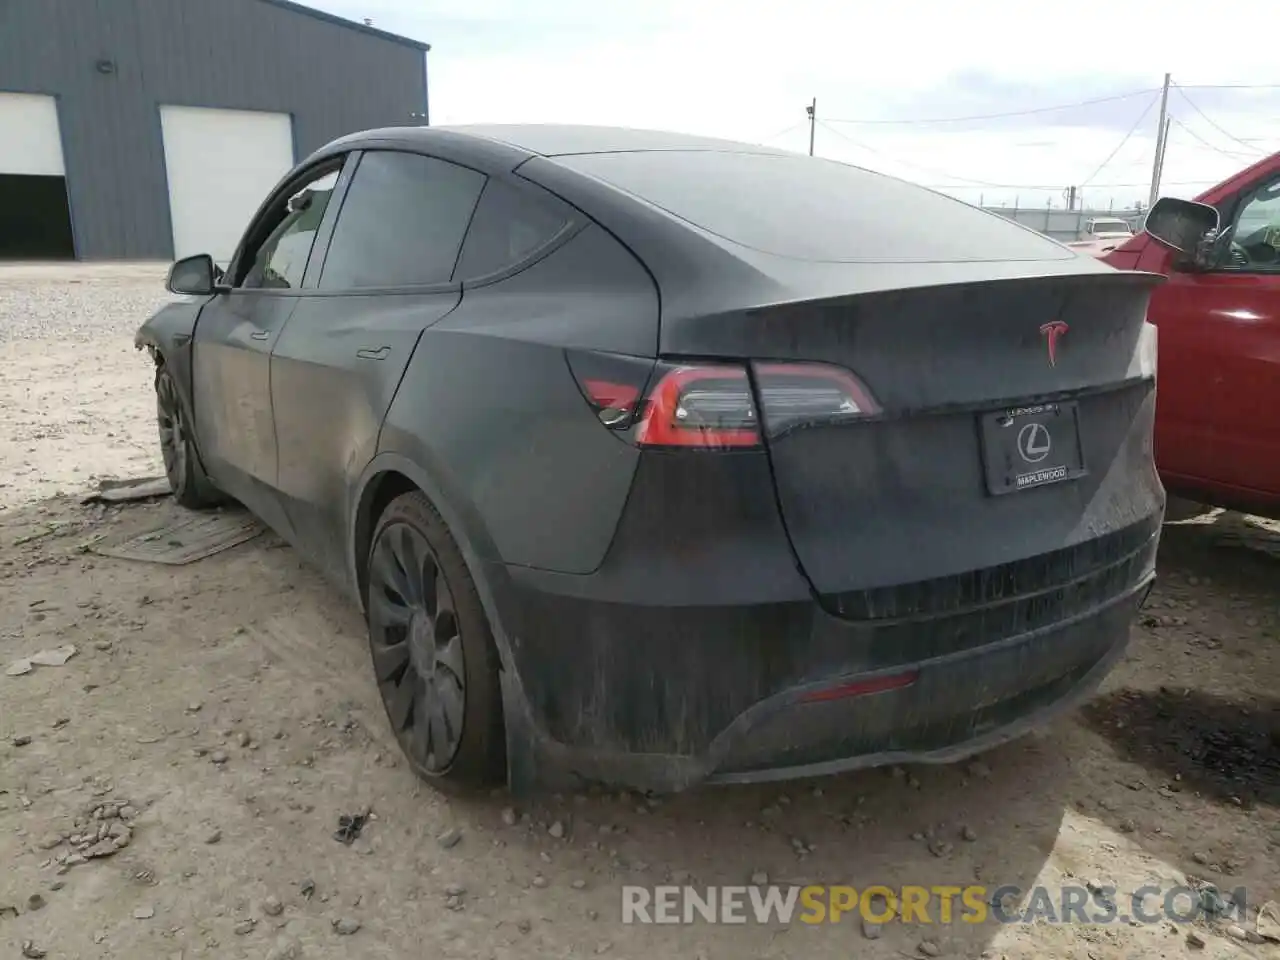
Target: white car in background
{"x":1106,"y":228}
{"x":1102,"y":235}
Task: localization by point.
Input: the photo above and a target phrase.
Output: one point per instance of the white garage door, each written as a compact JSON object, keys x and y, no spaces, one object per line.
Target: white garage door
{"x":29,"y":140}
{"x":221,"y":165}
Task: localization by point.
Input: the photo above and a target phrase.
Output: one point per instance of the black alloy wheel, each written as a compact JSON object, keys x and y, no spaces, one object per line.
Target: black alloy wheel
{"x":173,"y":435}
{"x":191,"y":487}
{"x":432,"y":650}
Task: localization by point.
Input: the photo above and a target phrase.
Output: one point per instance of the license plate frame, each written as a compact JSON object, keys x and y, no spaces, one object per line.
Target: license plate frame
{"x":1038,"y":445}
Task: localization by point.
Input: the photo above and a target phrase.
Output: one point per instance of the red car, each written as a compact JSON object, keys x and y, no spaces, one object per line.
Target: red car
{"x":1217,"y":431}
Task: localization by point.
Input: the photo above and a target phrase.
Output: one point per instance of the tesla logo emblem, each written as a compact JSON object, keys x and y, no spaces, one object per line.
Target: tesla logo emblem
{"x":1052,"y":332}
{"x":1034,"y":442}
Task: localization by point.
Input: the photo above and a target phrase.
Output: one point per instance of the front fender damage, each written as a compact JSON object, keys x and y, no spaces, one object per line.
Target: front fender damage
{"x":168,"y":330}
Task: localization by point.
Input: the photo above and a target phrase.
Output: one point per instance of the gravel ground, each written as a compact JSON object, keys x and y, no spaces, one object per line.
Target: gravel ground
{"x":73,"y":399}
{"x":173,"y":789}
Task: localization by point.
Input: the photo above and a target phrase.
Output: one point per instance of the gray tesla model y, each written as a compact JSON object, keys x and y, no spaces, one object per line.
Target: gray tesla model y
{"x":654,"y":459}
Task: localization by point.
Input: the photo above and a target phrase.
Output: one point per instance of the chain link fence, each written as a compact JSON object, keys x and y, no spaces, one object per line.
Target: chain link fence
{"x":1065,"y":225}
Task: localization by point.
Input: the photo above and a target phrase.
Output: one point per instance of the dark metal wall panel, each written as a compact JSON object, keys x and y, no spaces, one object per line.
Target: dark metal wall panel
{"x":240,"y":54}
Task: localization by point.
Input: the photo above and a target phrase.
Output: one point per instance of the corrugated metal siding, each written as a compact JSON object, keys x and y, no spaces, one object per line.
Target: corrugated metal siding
{"x":241,"y":54}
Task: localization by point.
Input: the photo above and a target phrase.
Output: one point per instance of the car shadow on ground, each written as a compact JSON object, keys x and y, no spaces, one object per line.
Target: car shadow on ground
{"x":1232,"y":547}
{"x":1225,"y":745}
{"x":974,"y":823}
{"x":1224,"y":749}
{"x":951,"y":826}
{"x":1193,"y":715}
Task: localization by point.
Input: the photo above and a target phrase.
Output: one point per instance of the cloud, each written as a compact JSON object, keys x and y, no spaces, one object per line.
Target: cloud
{"x":746,"y":68}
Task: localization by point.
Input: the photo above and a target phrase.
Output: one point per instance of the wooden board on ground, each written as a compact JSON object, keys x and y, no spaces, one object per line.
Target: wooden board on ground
{"x":122,"y":491}
{"x":191,"y":538}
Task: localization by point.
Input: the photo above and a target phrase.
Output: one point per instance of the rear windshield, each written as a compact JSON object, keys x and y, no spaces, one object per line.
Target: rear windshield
{"x":819,"y":210}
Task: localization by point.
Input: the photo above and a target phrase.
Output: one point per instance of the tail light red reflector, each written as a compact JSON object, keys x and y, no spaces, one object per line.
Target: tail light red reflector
{"x":862,"y":688}
{"x":615,"y":403}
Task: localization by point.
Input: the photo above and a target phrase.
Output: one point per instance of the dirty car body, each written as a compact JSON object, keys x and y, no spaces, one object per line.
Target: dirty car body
{"x":754,"y":475}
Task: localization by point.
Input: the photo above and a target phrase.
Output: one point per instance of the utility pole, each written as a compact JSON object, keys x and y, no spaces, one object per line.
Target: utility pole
{"x":1161,"y":132}
{"x":1164,"y":147}
{"x":812,"y":110}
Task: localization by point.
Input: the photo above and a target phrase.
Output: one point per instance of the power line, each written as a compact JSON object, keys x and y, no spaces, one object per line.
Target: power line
{"x":1230,"y":136}
{"x":1233,"y":154}
{"x":1228,"y":86}
{"x":1056,"y":107}
{"x":1125,"y":139}
{"x":906,"y":163}
{"x":1009,"y":113}
{"x":781,"y":133}
{"x":1058,"y":186}
{"x":957,"y":182}
{"x":988,"y":183}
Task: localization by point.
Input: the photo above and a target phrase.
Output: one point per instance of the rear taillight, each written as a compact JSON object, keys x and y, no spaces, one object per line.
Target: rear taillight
{"x":713,"y":405}
{"x":700,"y":406}
{"x":797,"y":394}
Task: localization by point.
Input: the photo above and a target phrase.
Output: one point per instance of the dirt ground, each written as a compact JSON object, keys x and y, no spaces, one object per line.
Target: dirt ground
{"x":224,"y":716}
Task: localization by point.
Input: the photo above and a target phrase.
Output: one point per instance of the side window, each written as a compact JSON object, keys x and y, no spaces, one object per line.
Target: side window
{"x":1253,"y":240}
{"x":281,"y":259}
{"x":509,"y":225}
{"x":401,"y":223}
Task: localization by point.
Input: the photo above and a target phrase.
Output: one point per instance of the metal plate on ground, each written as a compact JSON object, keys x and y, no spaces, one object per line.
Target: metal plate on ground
{"x":186,"y":540}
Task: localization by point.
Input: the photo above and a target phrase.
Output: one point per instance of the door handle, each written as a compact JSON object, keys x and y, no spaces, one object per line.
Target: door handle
{"x":259,"y":335}
{"x":368,"y":354}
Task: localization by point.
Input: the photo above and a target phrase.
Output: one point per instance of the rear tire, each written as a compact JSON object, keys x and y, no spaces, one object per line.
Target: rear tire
{"x":433,"y":652}
{"x":191,"y":486}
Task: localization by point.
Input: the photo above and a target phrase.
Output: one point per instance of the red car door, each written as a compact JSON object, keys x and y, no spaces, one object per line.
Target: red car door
{"x":1217,"y":429}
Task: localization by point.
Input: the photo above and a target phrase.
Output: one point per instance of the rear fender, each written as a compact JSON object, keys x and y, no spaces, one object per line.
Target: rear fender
{"x":528,"y":745}
{"x":464,"y":524}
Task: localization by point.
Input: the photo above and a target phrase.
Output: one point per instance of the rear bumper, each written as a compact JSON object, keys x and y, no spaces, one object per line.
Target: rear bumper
{"x":622,"y":688}
{"x":957,"y":706}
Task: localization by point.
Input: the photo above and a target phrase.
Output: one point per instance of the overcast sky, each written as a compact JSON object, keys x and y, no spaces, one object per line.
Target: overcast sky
{"x":745,"y":69}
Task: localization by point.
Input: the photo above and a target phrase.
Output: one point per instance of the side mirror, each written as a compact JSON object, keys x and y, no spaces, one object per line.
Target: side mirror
{"x":193,"y":276}
{"x":1182,"y":225}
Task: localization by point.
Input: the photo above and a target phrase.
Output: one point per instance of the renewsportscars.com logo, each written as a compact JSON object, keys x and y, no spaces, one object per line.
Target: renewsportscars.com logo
{"x":941,"y":904}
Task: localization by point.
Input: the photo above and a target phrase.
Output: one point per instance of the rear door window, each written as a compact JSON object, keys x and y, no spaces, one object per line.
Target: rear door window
{"x":402,"y":222}
{"x":509,"y":225}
